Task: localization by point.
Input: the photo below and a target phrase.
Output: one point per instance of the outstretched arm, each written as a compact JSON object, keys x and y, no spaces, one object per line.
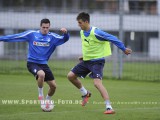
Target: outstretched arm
{"x":20,"y":37}
{"x":103,"y":36}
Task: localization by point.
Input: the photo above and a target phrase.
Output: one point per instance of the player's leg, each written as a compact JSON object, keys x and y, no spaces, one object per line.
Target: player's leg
{"x":74,"y":80}
{"x":37,"y":71}
{"x":81,"y":71}
{"x":52,"y":89}
{"x":40,"y":81}
{"x":96,"y":68}
{"x":49,"y":79}
{"x":98,"y":84}
{"x":40,"y":78}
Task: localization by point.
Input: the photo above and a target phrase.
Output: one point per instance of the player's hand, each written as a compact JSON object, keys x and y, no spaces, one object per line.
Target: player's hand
{"x":63,"y":30}
{"x":80,"y":58}
{"x":128,"y":51}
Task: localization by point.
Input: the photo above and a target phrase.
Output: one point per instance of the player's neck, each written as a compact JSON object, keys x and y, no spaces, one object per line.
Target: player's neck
{"x":87,"y":28}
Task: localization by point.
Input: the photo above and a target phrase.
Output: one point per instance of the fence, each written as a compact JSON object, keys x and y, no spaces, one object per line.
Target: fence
{"x":140,"y":33}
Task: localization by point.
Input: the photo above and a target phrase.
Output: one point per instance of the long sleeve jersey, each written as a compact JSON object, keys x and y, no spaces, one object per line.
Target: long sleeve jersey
{"x":40,"y":47}
{"x":104,"y":36}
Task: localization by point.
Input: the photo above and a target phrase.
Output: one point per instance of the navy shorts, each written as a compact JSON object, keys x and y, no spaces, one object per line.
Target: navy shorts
{"x":93,"y":68}
{"x":34,"y":68}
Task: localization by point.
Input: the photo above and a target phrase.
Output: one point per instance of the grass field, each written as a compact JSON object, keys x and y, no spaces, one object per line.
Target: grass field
{"x":138,"y":71}
{"x":131,"y":100}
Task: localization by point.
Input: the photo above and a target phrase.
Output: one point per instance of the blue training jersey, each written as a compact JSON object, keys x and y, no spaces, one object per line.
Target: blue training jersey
{"x":104,"y":36}
{"x":40,"y":47}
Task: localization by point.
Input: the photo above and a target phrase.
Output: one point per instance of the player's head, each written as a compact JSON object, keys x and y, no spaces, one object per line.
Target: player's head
{"x":44,"y":26}
{"x":84,"y":17}
{"x":83,"y":20}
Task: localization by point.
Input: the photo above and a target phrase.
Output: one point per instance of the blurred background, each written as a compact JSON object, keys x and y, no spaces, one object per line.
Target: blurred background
{"x":134,"y":22}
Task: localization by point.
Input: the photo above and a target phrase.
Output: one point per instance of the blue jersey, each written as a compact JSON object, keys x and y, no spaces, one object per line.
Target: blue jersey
{"x":104,"y":36}
{"x":40,"y":47}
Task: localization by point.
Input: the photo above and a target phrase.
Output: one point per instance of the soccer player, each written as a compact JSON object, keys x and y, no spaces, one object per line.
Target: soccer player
{"x":95,"y":47}
{"x":42,"y":44}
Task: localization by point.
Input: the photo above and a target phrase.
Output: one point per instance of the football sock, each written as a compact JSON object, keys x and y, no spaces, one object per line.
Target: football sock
{"x":83,"y":91}
{"x":108,"y":104}
{"x":48,"y":97}
{"x":40,"y":91}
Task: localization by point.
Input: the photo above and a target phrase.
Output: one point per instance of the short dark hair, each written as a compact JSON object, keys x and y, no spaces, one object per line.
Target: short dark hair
{"x":45,"y":20}
{"x":84,"y":16}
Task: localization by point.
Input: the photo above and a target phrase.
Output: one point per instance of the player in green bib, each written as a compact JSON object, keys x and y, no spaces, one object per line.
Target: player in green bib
{"x":95,"y":47}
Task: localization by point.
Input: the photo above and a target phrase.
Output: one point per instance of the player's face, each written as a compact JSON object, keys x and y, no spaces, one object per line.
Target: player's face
{"x":83,"y":24}
{"x":45,"y":28}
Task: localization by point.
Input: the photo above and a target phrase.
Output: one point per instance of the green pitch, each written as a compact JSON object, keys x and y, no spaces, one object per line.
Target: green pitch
{"x":131,"y":100}
{"x":138,"y":71}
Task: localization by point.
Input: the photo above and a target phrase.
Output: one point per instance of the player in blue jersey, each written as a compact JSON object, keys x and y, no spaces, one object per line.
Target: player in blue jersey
{"x":95,"y":47}
{"x":42,"y":44}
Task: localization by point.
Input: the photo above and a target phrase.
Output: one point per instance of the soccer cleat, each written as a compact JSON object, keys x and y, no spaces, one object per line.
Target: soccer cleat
{"x":109,"y":111}
{"x":85,"y":98}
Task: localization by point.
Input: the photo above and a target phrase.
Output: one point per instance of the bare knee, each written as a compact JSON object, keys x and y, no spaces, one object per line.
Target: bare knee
{"x":41,"y":74}
{"x":71,"y":76}
{"x":97,"y":83}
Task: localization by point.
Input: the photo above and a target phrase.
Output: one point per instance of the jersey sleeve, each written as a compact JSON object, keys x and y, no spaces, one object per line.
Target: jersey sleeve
{"x":20,"y":37}
{"x":104,"y":36}
{"x":59,"y":40}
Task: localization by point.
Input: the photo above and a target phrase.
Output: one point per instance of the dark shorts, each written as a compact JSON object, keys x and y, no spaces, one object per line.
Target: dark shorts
{"x":34,"y":68}
{"x":93,"y":68}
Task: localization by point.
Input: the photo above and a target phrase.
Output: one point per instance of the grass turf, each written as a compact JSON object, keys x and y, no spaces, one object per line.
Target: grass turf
{"x":138,"y":71}
{"x":131,"y":100}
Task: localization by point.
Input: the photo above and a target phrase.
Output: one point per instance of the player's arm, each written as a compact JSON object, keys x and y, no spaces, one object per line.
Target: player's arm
{"x":128,"y":51}
{"x":103,"y":36}
{"x":60,"y":39}
{"x":20,"y":37}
